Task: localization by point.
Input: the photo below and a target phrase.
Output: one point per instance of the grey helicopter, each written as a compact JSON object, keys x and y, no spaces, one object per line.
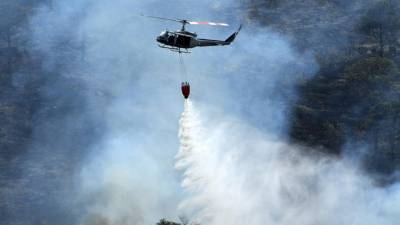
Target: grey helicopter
{"x":182,"y":40}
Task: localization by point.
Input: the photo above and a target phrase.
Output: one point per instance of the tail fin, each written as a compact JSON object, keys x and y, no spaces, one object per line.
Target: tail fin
{"x":231,"y":38}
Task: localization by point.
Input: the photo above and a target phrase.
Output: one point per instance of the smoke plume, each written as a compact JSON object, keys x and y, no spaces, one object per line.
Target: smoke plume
{"x":112,"y":156}
{"x":234,"y":174}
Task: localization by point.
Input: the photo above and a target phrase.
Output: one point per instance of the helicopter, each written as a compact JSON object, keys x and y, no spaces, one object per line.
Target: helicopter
{"x":181,"y":40}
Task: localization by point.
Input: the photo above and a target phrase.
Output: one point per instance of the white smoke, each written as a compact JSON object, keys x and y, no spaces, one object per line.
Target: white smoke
{"x":234,"y":174}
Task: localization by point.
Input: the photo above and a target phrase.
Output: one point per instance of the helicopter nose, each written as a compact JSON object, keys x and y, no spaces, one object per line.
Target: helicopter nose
{"x":159,"y":39}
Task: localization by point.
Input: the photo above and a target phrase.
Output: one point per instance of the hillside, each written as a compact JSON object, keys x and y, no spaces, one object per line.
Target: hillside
{"x":52,"y":119}
{"x":347,"y":107}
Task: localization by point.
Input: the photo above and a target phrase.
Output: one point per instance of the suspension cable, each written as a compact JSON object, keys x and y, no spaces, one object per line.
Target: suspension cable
{"x":183,"y":67}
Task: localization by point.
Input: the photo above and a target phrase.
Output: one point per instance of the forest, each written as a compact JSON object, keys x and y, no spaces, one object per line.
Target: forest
{"x":350,"y":107}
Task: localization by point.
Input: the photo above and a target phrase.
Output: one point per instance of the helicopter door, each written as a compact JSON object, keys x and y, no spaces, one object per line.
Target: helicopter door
{"x":171,"y":39}
{"x":183,"y":41}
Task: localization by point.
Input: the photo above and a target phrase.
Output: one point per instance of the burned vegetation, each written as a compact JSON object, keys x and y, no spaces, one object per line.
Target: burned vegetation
{"x":351,"y":106}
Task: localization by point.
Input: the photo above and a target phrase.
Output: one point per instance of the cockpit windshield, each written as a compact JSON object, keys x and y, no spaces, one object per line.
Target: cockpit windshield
{"x":164,"y":34}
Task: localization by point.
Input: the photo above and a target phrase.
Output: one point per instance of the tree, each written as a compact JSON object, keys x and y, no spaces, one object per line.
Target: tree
{"x":358,"y":105}
{"x":382,"y":24}
{"x":12,"y":15}
{"x":166,"y":222}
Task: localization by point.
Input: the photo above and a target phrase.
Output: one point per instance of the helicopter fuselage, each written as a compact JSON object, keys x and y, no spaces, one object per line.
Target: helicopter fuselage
{"x":177,"y":40}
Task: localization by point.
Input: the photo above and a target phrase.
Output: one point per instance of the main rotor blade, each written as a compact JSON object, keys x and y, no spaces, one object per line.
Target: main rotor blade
{"x":162,"y":18}
{"x":208,"y":23}
{"x":188,"y":22}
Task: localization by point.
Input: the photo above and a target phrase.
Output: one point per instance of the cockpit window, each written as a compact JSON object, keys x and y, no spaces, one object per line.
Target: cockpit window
{"x":164,"y":34}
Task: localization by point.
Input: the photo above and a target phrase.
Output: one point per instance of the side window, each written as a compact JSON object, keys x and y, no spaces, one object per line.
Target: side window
{"x":171,"y":38}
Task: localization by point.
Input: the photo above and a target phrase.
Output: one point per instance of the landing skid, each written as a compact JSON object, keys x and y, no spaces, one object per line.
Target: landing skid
{"x":175,"y":49}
